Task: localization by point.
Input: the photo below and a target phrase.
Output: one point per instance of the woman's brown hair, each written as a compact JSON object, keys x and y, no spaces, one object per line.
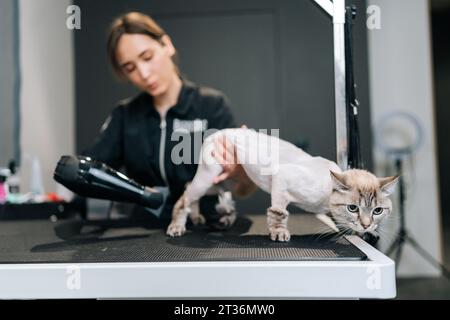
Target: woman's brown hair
{"x":133,"y":23}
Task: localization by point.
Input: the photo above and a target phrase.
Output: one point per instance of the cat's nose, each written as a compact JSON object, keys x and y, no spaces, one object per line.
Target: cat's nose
{"x":365,"y":226}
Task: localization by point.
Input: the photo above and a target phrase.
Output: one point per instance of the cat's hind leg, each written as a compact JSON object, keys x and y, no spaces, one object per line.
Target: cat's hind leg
{"x":227,"y":210}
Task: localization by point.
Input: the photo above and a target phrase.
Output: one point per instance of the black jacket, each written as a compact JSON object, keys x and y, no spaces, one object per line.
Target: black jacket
{"x":136,"y":138}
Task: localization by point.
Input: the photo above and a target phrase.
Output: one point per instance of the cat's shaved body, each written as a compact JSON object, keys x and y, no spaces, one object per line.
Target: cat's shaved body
{"x":290,"y":175}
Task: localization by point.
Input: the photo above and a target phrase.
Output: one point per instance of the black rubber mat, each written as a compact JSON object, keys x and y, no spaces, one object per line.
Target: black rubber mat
{"x":75,"y":241}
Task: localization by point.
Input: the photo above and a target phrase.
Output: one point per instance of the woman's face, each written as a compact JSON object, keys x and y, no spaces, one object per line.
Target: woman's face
{"x":146,"y":62}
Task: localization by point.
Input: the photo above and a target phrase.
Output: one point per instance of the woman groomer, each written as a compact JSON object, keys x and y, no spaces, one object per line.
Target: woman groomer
{"x":139,"y":133}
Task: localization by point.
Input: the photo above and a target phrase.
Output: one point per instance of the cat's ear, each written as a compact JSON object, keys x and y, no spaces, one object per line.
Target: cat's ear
{"x":338,"y":181}
{"x":387,"y":185}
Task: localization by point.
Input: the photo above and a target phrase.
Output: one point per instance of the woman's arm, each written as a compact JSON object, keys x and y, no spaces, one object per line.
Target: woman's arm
{"x":108,"y":147}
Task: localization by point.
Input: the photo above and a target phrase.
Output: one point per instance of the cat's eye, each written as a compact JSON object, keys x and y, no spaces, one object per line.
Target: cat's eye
{"x":377,"y":211}
{"x":352,"y":208}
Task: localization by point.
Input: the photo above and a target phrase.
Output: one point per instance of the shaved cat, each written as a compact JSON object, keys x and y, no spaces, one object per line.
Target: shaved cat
{"x":356,"y":199}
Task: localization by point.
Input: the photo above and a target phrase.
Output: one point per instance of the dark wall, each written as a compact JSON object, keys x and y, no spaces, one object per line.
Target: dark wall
{"x":441,"y":59}
{"x":273,"y":59}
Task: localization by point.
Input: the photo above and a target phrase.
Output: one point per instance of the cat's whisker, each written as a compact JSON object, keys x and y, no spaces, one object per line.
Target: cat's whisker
{"x":343,"y":230}
{"x":323,"y":235}
{"x":322,"y":231}
{"x":392,"y":217}
{"x":386,"y":235}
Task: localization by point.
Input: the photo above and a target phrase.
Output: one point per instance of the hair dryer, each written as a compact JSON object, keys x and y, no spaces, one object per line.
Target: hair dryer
{"x":90,"y":178}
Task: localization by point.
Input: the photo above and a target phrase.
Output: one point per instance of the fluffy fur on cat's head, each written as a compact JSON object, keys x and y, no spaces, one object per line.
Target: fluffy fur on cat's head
{"x":360,"y":201}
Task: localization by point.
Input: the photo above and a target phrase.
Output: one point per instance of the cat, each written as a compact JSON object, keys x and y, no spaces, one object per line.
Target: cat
{"x":356,"y":199}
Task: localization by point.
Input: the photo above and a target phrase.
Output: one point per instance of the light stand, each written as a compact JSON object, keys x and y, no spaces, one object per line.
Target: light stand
{"x":403,"y":235}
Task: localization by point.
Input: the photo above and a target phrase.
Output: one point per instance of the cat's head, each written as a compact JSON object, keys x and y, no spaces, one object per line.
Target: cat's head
{"x":360,"y":201}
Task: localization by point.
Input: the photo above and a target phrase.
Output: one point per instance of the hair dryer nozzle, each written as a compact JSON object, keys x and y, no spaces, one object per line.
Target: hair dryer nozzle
{"x":90,"y":178}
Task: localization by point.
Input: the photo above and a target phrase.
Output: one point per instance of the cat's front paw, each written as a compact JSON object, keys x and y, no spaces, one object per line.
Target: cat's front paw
{"x":371,"y":238}
{"x":280,"y":234}
{"x":176,"y":230}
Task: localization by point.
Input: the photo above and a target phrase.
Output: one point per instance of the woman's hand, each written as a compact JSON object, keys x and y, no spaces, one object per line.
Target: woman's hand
{"x":225,"y":154}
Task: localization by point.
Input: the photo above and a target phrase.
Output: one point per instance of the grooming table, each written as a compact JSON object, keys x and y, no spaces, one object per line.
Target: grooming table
{"x":127,"y":259}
